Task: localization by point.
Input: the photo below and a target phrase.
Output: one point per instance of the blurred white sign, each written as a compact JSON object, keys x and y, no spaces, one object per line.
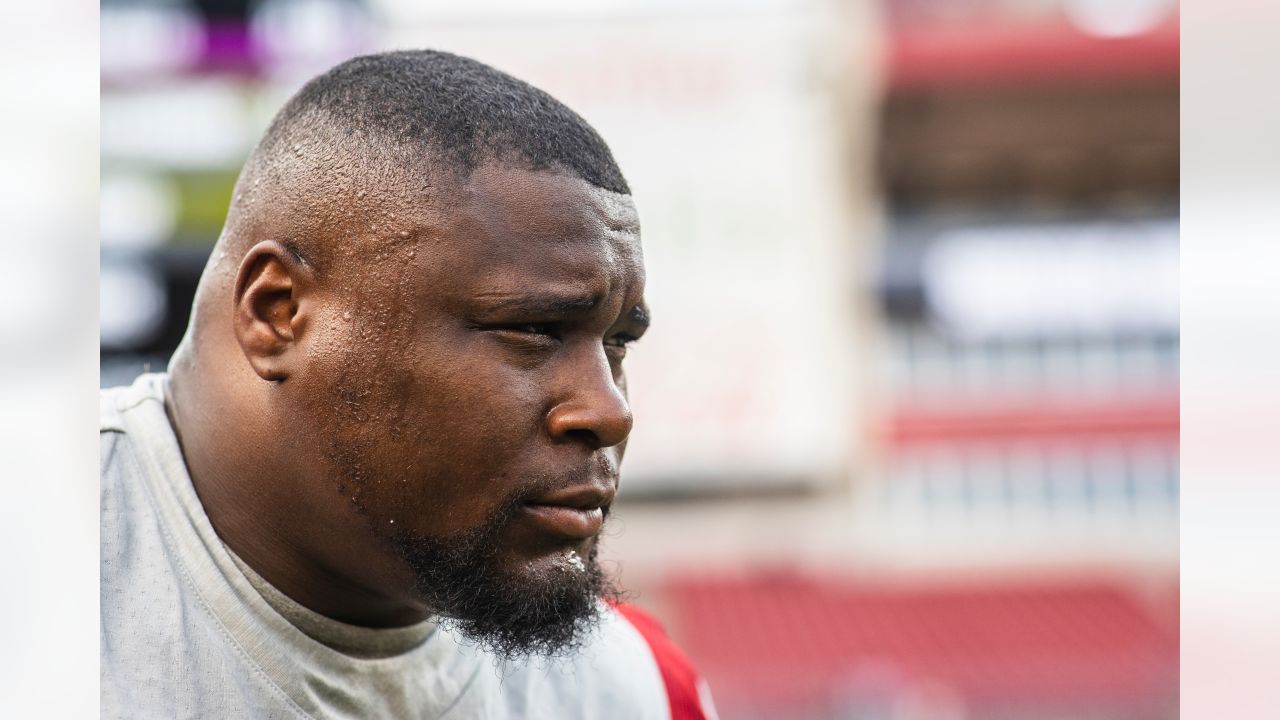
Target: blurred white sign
{"x":1086,"y":278}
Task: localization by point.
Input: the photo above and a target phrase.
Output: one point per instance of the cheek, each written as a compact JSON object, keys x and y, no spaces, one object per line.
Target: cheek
{"x":437,"y":443}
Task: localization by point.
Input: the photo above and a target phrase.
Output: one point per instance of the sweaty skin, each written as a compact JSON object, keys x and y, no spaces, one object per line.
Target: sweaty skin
{"x":442,"y":359}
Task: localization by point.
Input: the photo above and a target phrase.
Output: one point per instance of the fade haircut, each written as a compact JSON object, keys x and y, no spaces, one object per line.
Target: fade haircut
{"x":399,"y":126}
{"x":465,"y":111}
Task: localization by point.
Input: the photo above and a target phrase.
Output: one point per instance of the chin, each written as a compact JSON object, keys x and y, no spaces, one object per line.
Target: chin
{"x":546,"y":606}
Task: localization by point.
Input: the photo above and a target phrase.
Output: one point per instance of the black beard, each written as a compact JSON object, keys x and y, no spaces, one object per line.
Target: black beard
{"x":461,"y":579}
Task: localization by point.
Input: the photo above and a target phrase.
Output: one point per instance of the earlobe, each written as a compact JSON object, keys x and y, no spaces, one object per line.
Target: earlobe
{"x":268,"y":299}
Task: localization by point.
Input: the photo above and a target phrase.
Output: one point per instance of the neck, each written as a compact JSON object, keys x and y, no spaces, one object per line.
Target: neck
{"x":277,"y":516}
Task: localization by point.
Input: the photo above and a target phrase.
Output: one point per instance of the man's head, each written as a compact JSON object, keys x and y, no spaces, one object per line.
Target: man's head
{"x":402,"y":391}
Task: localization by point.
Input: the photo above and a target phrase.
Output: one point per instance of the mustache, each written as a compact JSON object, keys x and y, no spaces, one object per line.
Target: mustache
{"x":600,"y":467}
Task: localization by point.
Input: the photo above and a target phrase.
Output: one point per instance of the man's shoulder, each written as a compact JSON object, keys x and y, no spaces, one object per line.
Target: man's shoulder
{"x":628,"y":668}
{"x":115,"y":402}
{"x":630,"y":663}
{"x":688,"y":696}
{"x":109,"y":416}
{"x":134,"y":440}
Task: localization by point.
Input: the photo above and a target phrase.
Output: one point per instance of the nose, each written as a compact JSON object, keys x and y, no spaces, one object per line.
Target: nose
{"x":595,"y":409}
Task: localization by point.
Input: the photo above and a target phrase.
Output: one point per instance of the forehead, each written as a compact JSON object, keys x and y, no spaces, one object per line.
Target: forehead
{"x":511,"y":226}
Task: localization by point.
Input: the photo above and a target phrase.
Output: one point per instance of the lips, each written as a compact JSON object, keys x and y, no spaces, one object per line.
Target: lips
{"x":567,"y":522}
{"x":575,"y":513}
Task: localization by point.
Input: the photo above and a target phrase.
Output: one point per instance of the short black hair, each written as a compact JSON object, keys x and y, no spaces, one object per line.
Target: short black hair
{"x":463,"y":111}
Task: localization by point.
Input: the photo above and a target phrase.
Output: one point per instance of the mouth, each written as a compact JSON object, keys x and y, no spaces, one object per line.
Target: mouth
{"x":576,"y":513}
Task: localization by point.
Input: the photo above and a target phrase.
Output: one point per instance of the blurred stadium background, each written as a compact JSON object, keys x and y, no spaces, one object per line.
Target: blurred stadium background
{"x":907,"y":440}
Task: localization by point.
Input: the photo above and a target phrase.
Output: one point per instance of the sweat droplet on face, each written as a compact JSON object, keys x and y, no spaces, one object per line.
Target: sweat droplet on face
{"x":346,"y":316}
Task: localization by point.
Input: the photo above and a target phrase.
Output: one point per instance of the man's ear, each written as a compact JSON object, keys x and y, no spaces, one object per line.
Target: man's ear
{"x":270,"y":289}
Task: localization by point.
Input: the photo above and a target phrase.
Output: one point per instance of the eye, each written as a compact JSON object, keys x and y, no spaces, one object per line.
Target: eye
{"x":533,"y":329}
{"x":526,"y":335}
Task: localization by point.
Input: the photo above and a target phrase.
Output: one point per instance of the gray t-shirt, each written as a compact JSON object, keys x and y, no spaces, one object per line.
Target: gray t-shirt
{"x":190,"y":631}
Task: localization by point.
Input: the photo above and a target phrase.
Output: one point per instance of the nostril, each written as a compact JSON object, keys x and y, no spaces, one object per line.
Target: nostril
{"x":595,"y":426}
{"x":584,"y":436}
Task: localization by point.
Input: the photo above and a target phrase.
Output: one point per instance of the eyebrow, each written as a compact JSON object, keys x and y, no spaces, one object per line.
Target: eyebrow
{"x":551,"y":304}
